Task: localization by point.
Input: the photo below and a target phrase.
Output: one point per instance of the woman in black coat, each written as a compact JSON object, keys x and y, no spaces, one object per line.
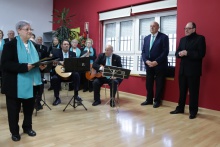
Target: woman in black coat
{"x":20,"y":79}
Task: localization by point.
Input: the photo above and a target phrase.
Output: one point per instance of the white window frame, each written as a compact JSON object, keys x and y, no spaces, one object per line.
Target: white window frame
{"x":135,"y":38}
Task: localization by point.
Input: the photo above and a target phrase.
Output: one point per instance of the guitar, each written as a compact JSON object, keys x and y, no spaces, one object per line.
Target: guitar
{"x":61,"y":72}
{"x":90,"y":75}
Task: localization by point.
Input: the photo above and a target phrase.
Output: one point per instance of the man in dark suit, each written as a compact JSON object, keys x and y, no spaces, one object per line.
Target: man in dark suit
{"x":56,"y":79}
{"x":42,"y":49}
{"x":11,"y":35}
{"x":110,"y":59}
{"x":154,"y":54}
{"x":191,"y":51}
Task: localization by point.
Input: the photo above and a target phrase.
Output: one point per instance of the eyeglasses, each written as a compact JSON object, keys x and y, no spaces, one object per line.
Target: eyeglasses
{"x":188,"y":28}
{"x":28,"y":30}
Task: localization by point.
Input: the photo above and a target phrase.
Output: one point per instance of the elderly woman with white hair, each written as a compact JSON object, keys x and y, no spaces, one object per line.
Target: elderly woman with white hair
{"x":74,"y":48}
{"x":21,"y":79}
{"x":90,"y":52}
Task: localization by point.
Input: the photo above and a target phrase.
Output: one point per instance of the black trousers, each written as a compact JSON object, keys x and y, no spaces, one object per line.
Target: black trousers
{"x":159,"y":77}
{"x":14,"y":108}
{"x":98,"y":82}
{"x":56,"y":83}
{"x":87,"y":84}
{"x":192,"y":83}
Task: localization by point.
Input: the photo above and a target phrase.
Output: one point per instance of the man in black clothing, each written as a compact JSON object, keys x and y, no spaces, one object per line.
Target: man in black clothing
{"x":154,"y":54}
{"x":42,"y":51}
{"x":110,"y":59}
{"x":11,"y":35}
{"x":56,"y":79}
{"x":191,"y":51}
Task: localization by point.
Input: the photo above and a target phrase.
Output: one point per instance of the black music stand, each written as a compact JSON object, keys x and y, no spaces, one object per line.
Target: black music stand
{"x":115,"y":72}
{"x":76,"y":65}
{"x":46,"y":70}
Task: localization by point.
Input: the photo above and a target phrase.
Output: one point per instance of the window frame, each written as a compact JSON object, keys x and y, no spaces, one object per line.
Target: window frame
{"x":135,"y":45}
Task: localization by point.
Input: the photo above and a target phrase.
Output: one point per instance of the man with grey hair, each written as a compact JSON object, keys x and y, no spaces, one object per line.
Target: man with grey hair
{"x":154,"y":54}
{"x":42,"y":49}
{"x":11,"y":35}
{"x":110,"y":59}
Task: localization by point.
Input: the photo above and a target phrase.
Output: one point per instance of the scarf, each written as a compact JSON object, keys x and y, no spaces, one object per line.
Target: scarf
{"x":78,"y":52}
{"x":25,"y":81}
{"x":91,"y":50}
{"x":1,"y":45}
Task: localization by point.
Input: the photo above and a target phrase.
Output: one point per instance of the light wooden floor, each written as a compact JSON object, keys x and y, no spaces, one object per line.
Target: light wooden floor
{"x":102,"y":126}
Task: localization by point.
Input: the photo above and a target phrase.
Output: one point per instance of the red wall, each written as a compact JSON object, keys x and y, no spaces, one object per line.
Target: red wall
{"x":203,"y":13}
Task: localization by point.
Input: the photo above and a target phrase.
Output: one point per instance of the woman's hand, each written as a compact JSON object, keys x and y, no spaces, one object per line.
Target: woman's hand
{"x":30,"y":66}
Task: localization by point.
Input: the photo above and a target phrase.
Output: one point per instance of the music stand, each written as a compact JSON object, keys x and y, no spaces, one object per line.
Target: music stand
{"x":115,"y":72}
{"x":76,"y":65}
{"x":46,"y":70}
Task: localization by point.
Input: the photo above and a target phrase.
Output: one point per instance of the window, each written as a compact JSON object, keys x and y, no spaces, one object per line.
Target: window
{"x":126,"y":35}
{"x":168,"y":26}
{"x":110,"y":37}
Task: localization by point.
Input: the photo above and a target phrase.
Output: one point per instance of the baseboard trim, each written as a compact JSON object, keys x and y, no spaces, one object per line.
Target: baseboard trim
{"x":170,"y":104}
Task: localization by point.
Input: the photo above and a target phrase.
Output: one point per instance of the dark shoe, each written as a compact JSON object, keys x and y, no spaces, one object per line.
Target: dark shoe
{"x":96,"y":103}
{"x":176,"y":111}
{"x":156,"y":105}
{"x":90,"y":90}
{"x":30,"y":132}
{"x":192,"y":116}
{"x":50,"y":88}
{"x":84,"y":90}
{"x":112,"y":103}
{"x":56,"y":102}
{"x":16,"y":137}
{"x":77,"y":98}
{"x":146,"y":103}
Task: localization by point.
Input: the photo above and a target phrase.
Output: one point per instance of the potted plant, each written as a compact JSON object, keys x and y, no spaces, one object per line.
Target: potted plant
{"x":63,"y":31}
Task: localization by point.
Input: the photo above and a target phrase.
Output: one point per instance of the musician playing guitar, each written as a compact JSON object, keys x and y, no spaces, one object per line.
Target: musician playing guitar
{"x":57,"y":79}
{"x":110,"y":59}
{"x":90,"y":52}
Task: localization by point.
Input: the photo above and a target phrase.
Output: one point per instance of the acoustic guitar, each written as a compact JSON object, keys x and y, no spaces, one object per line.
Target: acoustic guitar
{"x":90,"y":75}
{"x":61,"y":72}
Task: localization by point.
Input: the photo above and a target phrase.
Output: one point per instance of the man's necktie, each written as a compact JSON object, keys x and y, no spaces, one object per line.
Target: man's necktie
{"x":108,"y":62}
{"x":65,"y":55}
{"x":151,"y":43}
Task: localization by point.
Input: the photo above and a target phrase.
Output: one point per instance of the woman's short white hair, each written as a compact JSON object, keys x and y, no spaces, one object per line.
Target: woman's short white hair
{"x":21,"y":24}
{"x":89,"y":39}
{"x":74,"y":40}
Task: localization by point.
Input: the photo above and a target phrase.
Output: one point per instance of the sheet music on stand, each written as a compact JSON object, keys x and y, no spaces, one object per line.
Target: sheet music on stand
{"x":76,"y":65}
{"x":115,"y":72}
{"x":45,"y":61}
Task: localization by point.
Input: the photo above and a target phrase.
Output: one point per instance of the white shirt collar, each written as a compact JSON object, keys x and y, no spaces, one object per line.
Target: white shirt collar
{"x":67,"y":53}
{"x":155,"y":35}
